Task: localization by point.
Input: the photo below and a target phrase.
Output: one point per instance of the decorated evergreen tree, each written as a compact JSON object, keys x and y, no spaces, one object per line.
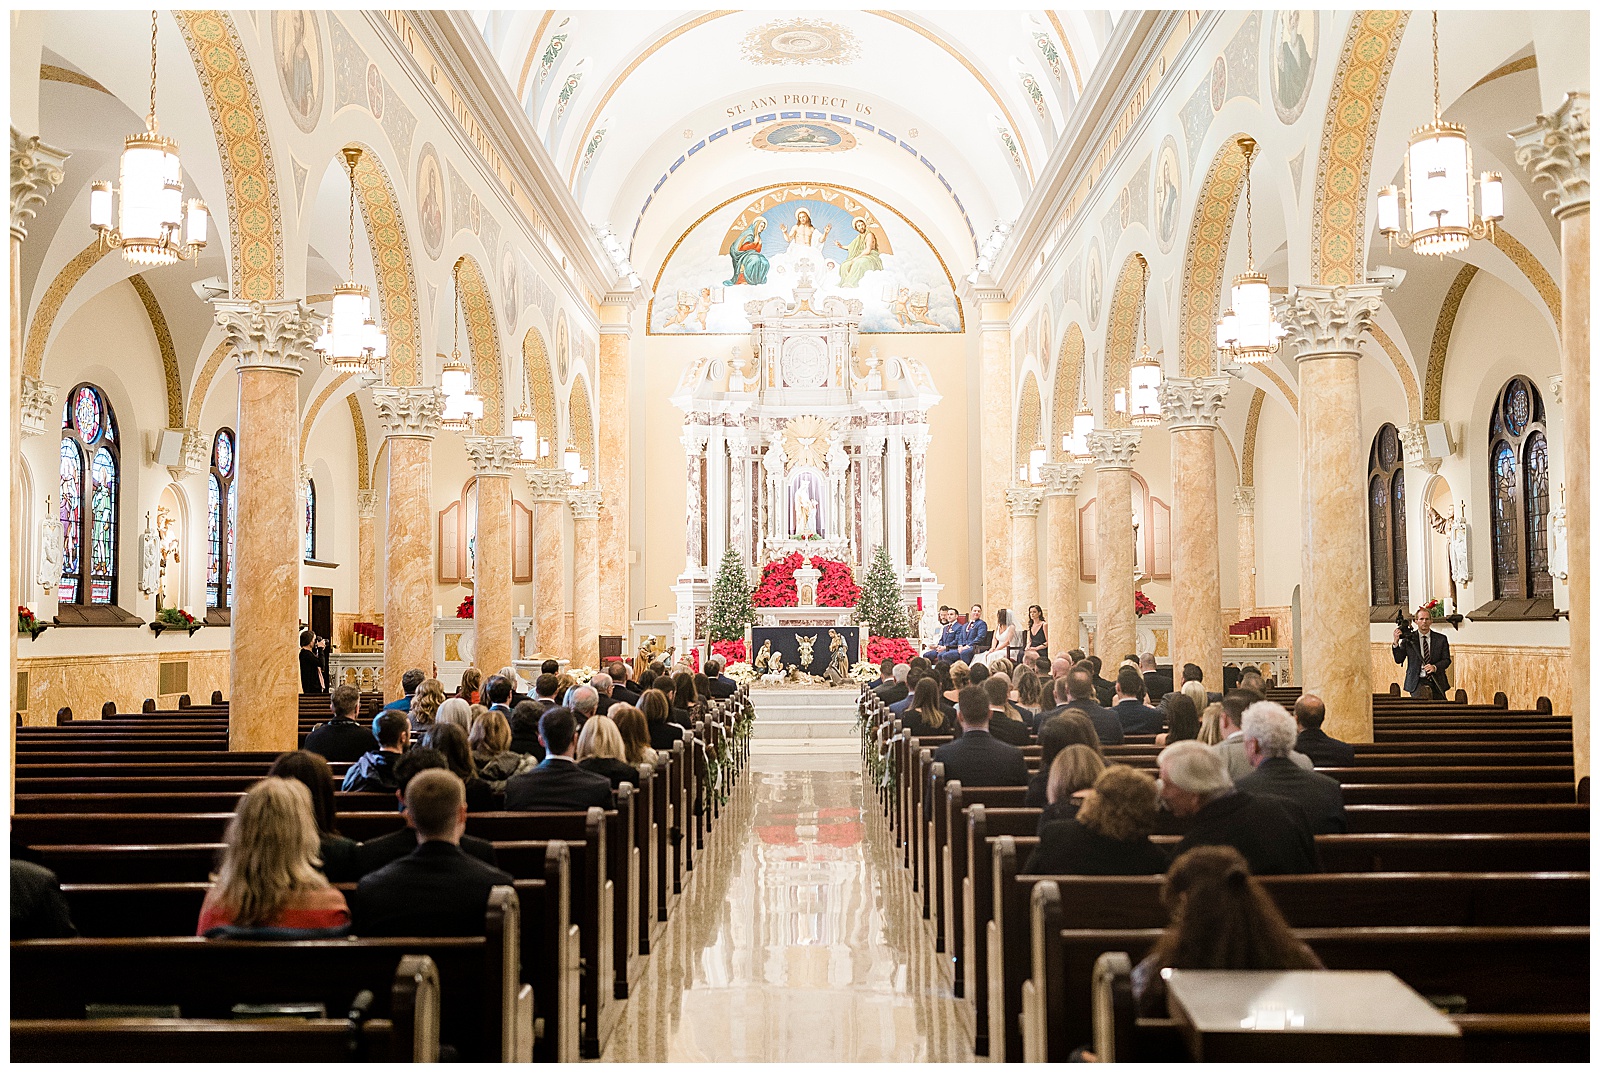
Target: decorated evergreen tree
{"x":880,"y":608}
{"x":731,"y":609}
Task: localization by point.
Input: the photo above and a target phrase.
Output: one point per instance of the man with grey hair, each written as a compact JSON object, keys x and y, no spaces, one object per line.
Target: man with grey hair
{"x":1271,"y":833}
{"x":1231,"y":747}
{"x":1157,"y":679}
{"x":601,"y":681}
{"x":895,"y":689}
{"x":585,"y":702}
{"x":1269,"y":734}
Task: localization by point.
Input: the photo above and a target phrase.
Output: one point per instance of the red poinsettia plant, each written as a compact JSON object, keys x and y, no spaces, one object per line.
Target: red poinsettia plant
{"x":465,"y":609}
{"x":27,"y":621}
{"x":838,"y":587}
{"x":1142,"y":604}
{"x":176,"y":616}
{"x":731,"y":651}
{"x":1434,"y":608}
{"x":897,"y":649}
{"x":777,"y":588}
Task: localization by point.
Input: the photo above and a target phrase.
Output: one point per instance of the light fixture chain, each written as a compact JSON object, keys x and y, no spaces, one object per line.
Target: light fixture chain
{"x":1249,"y":215}
{"x":352,"y":263}
{"x":1437,"y":113}
{"x":153,"y":25}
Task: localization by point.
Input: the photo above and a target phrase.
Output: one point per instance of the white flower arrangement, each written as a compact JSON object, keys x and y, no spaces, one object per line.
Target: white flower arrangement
{"x":864,"y":671}
{"x":740,"y":672}
{"x":581,"y":674}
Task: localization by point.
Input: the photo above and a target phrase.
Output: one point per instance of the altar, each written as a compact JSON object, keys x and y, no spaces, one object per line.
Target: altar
{"x":812,"y":447}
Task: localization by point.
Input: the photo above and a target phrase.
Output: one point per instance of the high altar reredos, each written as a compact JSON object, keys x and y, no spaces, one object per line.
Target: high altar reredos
{"x":814,"y":450}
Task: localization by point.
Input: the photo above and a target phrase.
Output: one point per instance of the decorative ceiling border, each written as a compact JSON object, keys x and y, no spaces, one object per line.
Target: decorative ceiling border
{"x":1064,"y":389}
{"x":315,"y":408}
{"x":1439,"y":349}
{"x":1210,"y":230}
{"x":541,"y":389}
{"x":1028,"y":418}
{"x":1402,"y":367}
{"x":484,"y":343}
{"x":1247,"y":457}
{"x":44,"y":314}
{"x":580,"y":423}
{"x":1122,"y":327}
{"x":533,"y":50}
{"x":393,"y":268}
{"x":1066,"y":46}
{"x":363,"y":463}
{"x":169,"y":353}
{"x":1533,"y":269}
{"x":202,"y":380}
{"x":50,"y":72}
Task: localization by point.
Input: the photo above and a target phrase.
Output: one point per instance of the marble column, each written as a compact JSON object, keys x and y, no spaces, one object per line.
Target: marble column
{"x":493,"y":459}
{"x":1555,"y":148}
{"x":1244,"y":503}
{"x":1192,"y":408}
{"x":917,"y":442}
{"x":995,"y":450}
{"x":1325,"y":325}
{"x":872,"y":513}
{"x":548,"y":488}
{"x":615,"y":348}
{"x":410,"y":418}
{"x":894,"y":494}
{"x":585,"y":506}
{"x":1024,"y":504}
{"x":739,"y":492}
{"x":694,"y":538}
{"x":273,"y":342}
{"x":1061,"y":481}
{"x":366,"y":554}
{"x":1116,"y":630}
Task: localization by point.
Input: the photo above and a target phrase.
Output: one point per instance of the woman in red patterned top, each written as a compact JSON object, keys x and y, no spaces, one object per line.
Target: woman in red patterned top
{"x":269,"y":877}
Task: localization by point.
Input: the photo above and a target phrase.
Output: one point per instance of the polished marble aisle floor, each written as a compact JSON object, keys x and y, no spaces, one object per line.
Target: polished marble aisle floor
{"x":797,"y":939}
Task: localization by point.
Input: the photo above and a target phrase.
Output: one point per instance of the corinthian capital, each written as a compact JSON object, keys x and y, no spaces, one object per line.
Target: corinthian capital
{"x":547,"y":484}
{"x":1113,"y":448}
{"x":493,"y":456}
{"x":1024,"y":502}
{"x":1244,"y":500}
{"x":1414,"y":444}
{"x":1555,"y":148}
{"x":1195,"y":403}
{"x":38,"y":405}
{"x":409,"y":411}
{"x":584,"y":503}
{"x":367,"y":503}
{"x":35,"y":171}
{"x":275,"y":335}
{"x":1324,"y":320}
{"x":1061,"y":478}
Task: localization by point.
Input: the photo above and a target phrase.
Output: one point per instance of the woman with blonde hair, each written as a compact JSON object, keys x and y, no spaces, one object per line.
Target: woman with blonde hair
{"x":425,"y":704}
{"x":960,"y":675}
{"x":1072,"y":772}
{"x":268,"y":877}
{"x":1110,"y":835}
{"x":490,"y":739}
{"x":601,"y":751}
{"x":635,"y":733}
{"x":1210,"y":725}
{"x":456,"y":711}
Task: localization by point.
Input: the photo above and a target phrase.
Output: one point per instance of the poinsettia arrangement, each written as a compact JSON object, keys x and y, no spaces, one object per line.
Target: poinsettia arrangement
{"x":838,"y":587}
{"x":1142,"y":604}
{"x":465,"y":609}
{"x":895,"y":648}
{"x":27,"y":621}
{"x":777,"y":588}
{"x":1434,"y":608}
{"x":731,"y":651}
{"x":176,"y":616}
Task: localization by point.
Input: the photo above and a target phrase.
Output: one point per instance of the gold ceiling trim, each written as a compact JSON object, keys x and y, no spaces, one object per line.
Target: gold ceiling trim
{"x":169,"y":353}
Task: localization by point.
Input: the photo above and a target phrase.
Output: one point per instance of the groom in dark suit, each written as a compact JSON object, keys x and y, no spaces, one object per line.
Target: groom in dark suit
{"x":1426,"y":657}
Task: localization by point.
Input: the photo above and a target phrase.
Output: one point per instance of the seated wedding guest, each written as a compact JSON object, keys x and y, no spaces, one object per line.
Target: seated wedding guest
{"x":684,"y":699}
{"x":514,"y":680}
{"x":558,"y":784}
{"x":1183,"y":723}
{"x":452,"y":743}
{"x":336,"y":852}
{"x":425,"y":704}
{"x":960,"y":676}
{"x":929,"y":714}
{"x":1220,"y":917}
{"x":1157,"y":680}
{"x":268,"y":877}
{"x":1210,"y":725}
{"x":601,"y":751}
{"x":1081,"y":697}
{"x":490,"y":739}
{"x":1231,"y":748}
{"x":457,"y":712}
{"x":544,"y":690}
{"x":375,"y":770}
{"x":1271,"y":833}
{"x":436,"y":889}
{"x":721,"y":685}
{"x":38,"y":908}
{"x":977,"y":758}
{"x":525,"y":729}
{"x":471,"y":685}
{"x":1072,"y":774}
{"x":408,"y":684}
{"x":656,"y":709}
{"x":1026,"y":694}
{"x":623,"y":689}
{"x":896,"y":688}
{"x":1005,"y":721}
{"x":1324,"y":751}
{"x":342,"y":738}
{"x":498,"y":690}
{"x":1103,"y":688}
{"x":1056,"y":733}
{"x":1269,"y":736}
{"x":374,"y":853}
{"x":1132,"y":712}
{"x":635,"y":733}
{"x":585,"y":704}
{"x":1110,"y":835}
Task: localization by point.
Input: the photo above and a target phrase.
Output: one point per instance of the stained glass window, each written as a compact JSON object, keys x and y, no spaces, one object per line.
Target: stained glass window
{"x":219,"y":522}
{"x":1386,"y":519}
{"x":1519,"y":492}
{"x":88,"y":433}
{"x":311,"y":520}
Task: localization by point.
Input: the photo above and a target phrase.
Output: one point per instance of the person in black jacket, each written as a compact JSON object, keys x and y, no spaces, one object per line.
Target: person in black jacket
{"x":374,"y":853}
{"x":1055,"y":734}
{"x":1272,"y":834}
{"x":338,"y":853}
{"x":375,"y":770}
{"x":436,"y":889}
{"x":1110,"y":836}
{"x":1005,"y":721}
{"x":601,"y":751}
{"x":1157,"y":680}
{"x":525,"y":729}
{"x":656,"y":709}
{"x":38,"y":908}
{"x":342,"y":738}
{"x":456,"y":748}
{"x":557,"y":784}
{"x":1426,"y":655}
{"x":1268,"y":738}
{"x":1072,"y":774}
{"x":1309,"y":712}
{"x":929,"y":714}
{"x":1081,"y":697}
{"x":896,"y":688}
{"x":1132,"y":712}
{"x":1103,"y":688}
{"x":976,"y":758}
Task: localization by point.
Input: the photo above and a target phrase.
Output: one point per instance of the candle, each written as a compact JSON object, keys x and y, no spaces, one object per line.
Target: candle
{"x":522,"y":610}
{"x":1091,"y":607}
{"x":438,"y":610}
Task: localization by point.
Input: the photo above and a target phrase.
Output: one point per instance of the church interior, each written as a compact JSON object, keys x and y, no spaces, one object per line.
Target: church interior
{"x":351,"y":343}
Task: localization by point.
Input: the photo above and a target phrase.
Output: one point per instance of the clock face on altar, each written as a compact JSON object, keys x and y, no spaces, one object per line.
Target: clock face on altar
{"x":805,"y":362}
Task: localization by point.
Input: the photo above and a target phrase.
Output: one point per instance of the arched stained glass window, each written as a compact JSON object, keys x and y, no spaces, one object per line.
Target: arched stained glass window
{"x":89,"y":487}
{"x":311,"y":520}
{"x":1386,"y":519}
{"x":219,"y":521}
{"x":1519,"y":493}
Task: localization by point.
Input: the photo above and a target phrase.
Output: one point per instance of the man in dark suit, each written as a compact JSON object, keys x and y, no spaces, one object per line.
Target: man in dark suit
{"x":974,"y":635}
{"x":558,"y":784}
{"x":1269,"y":734}
{"x":1080,"y":696}
{"x":895,"y":689}
{"x":949,"y":637}
{"x":913,"y":676}
{"x":342,"y":738}
{"x":1005,"y":723}
{"x":436,"y":889}
{"x":497,"y":695}
{"x":1426,"y":657}
{"x":623,"y":691}
{"x":976,"y":758}
{"x":544,"y":691}
{"x":1271,"y":833}
{"x":374,"y":853}
{"x":1103,"y":688}
{"x":1157,"y":680}
{"x":1309,"y":712}
{"x":1132,"y":712}
{"x":375,"y":771}
{"x":721,"y":685}
{"x":525,"y":729}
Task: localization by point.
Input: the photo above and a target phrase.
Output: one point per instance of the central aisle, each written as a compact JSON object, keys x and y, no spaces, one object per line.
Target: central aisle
{"x":797,"y":940}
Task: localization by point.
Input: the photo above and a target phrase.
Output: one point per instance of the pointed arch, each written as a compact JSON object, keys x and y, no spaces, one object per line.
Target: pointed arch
{"x":1064,"y":393}
{"x":1207,"y":255}
{"x":392,"y":266}
{"x":541,"y":389}
{"x":1247,"y":457}
{"x":484,"y":343}
{"x":1029,"y":429}
{"x":580,"y":424}
{"x":1122,"y":335}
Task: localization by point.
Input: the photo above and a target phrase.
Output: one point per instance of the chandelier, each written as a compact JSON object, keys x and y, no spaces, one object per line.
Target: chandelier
{"x":152,"y":210}
{"x":1075,"y":444}
{"x":1036,"y":460}
{"x":525,"y":427}
{"x":461,"y":406}
{"x":351,"y":341}
{"x":1437,"y":202}
{"x":1247,"y":333}
{"x":1144,"y":378}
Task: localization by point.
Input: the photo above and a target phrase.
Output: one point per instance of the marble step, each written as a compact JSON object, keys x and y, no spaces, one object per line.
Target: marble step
{"x":766,"y":729}
{"x":800,"y":711}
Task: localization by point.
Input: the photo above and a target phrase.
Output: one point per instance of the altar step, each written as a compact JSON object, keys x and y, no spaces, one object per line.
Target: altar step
{"x":800,"y":715}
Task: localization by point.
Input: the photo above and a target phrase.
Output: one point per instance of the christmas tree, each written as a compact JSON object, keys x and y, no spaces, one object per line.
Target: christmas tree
{"x":881,"y":609}
{"x":731,"y":609}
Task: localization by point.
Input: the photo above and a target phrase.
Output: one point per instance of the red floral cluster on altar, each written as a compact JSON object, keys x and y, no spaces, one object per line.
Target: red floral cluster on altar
{"x":465,"y":610}
{"x":777,"y":588}
{"x":838,"y":586}
{"x":730,"y":651}
{"x":897,"y":649}
{"x":1142,"y":604}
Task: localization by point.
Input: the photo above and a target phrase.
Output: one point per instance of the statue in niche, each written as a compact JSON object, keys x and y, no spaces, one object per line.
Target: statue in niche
{"x":1460,"y":550}
{"x":805,"y":509}
{"x":807,"y":644}
{"x":1557,"y":565}
{"x":167,"y":534}
{"x":149,"y":559}
{"x":49,"y":576}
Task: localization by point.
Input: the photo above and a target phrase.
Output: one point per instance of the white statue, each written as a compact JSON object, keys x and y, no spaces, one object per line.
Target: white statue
{"x":806,"y":644}
{"x":149,"y":559}
{"x":1460,"y":551}
{"x":1557,"y":566}
{"x":805,"y":509}
{"x":49,"y":576}
{"x":167,"y":533}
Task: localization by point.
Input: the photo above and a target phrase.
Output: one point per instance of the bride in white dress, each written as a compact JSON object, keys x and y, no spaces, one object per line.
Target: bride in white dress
{"x":1005,"y":639}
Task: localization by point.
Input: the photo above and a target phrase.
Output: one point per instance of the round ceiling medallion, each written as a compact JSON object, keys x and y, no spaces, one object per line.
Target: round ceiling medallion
{"x":800,"y":41}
